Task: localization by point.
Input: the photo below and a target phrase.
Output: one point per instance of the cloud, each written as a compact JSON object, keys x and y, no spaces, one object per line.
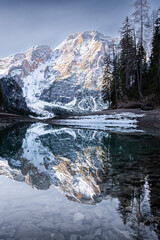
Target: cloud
{"x":32,"y":22}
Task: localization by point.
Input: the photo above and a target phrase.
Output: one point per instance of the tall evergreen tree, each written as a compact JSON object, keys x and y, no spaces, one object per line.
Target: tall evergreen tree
{"x":153,"y":20}
{"x":115,"y":90}
{"x":155,"y":56}
{"x":141,"y":19}
{"x":127,"y":56}
{"x":136,"y":65}
{"x":107,"y":80}
{"x":110,"y":82}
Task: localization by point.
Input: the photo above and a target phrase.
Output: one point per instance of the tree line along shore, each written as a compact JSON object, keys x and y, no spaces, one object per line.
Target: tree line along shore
{"x":132,"y":69}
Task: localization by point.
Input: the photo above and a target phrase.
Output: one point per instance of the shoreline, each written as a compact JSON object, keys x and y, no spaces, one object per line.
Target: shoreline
{"x":150,"y":122}
{"x":8,"y":120}
{"x":151,"y":119}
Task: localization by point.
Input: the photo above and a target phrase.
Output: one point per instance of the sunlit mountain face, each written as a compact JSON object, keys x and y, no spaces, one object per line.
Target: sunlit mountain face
{"x":61,"y":81}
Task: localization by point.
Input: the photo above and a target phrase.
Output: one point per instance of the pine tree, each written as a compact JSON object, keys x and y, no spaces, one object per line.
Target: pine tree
{"x":153,"y":20}
{"x":110,"y":84}
{"x":136,"y":65}
{"x":107,"y":81}
{"x":115,"y":89}
{"x":155,"y":56}
{"x":127,"y":57}
{"x":141,"y":19}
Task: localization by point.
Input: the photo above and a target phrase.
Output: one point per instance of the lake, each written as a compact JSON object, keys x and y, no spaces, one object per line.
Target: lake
{"x":61,"y":182}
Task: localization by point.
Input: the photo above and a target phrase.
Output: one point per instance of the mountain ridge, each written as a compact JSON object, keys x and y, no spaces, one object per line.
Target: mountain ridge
{"x":68,"y":77}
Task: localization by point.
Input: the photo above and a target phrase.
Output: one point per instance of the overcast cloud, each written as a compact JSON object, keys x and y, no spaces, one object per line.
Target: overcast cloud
{"x":25,"y":23}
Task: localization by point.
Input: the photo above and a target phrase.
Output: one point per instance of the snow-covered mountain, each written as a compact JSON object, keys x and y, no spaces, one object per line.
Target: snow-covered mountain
{"x":66,"y":79}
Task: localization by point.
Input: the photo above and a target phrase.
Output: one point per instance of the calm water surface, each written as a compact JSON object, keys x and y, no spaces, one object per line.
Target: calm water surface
{"x":67,"y":183}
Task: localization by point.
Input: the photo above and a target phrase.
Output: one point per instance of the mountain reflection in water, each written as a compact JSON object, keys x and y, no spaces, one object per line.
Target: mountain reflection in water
{"x":88,"y":166}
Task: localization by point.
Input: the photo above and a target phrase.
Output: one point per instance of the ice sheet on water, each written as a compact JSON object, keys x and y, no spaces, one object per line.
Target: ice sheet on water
{"x":120,"y":122}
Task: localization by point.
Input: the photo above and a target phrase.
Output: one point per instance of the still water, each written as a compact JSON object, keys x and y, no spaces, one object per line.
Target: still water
{"x":67,"y":183}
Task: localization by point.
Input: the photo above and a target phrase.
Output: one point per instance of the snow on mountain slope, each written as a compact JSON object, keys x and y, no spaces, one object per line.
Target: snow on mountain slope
{"x":22,"y":64}
{"x":68,"y":78}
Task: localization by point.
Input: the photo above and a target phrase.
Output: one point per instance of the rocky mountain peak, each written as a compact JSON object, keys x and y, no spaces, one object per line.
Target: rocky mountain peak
{"x":36,"y":53}
{"x":68,"y":78}
{"x":21,"y":64}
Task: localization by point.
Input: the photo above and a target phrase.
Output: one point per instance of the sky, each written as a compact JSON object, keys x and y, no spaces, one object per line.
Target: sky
{"x":26,"y":23}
